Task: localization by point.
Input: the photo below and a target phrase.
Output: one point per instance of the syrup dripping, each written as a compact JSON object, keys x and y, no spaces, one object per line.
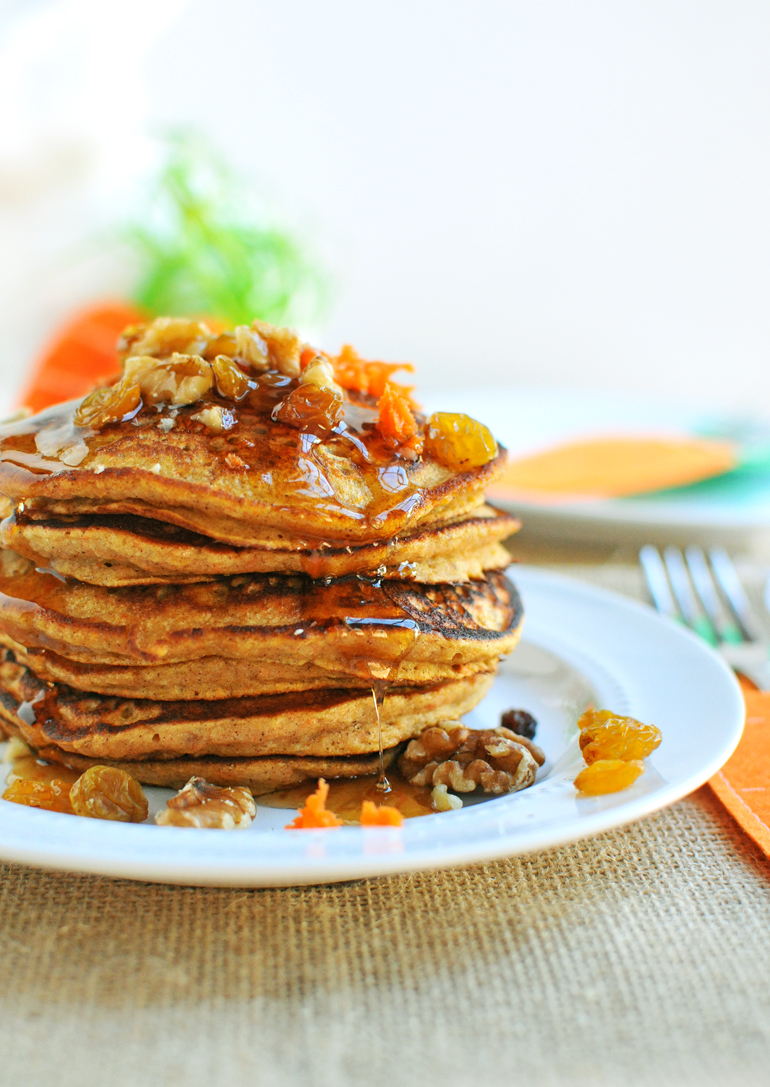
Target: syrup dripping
{"x":346,"y":795}
{"x":49,"y":443}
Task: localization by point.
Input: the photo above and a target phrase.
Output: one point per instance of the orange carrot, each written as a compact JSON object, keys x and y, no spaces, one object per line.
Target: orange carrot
{"x":395,"y":420}
{"x":353,"y":372}
{"x":314,"y":814}
{"x":384,"y":816}
{"x":81,"y":355}
{"x":307,"y":356}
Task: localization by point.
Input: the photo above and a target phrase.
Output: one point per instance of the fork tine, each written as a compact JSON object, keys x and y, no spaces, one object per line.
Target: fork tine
{"x":703,"y":580}
{"x":691,"y":609}
{"x":657,"y":581}
{"x":730,"y":584}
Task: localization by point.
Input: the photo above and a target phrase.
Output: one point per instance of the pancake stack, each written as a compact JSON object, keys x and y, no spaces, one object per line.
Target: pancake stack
{"x":248,"y":562}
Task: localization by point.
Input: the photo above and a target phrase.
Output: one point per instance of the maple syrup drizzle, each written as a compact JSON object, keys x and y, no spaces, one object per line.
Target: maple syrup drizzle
{"x":383,"y":785}
{"x":346,"y":796}
{"x":50,"y":443}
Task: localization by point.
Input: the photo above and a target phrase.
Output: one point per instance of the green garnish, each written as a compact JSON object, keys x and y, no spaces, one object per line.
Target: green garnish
{"x":202,"y":252}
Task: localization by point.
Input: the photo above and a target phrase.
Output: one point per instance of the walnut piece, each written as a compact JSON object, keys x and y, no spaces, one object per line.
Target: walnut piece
{"x":283,"y":344}
{"x":443,"y":800}
{"x":463,"y":759}
{"x":211,"y":807}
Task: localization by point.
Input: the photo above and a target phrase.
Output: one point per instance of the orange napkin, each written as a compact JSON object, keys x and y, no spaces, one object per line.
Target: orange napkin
{"x":743,"y":783}
{"x":611,"y":467}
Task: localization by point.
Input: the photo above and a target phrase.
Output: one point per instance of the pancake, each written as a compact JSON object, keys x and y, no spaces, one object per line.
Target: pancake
{"x":218,"y":677}
{"x":118,"y":550}
{"x":348,"y":629}
{"x":261,"y":775}
{"x":318,"y":723}
{"x":284,"y":493}
{"x":249,"y":438}
{"x":221,"y":560}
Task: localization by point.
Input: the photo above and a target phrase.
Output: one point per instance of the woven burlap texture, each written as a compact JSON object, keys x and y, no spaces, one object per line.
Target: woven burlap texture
{"x":639,"y":957}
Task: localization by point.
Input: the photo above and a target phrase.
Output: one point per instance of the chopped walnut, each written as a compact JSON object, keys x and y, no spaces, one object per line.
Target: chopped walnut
{"x":443,"y":800}
{"x":178,"y":380}
{"x":215,"y":418}
{"x":321,"y":374}
{"x":163,"y":337}
{"x":201,"y":804}
{"x":16,"y":749}
{"x":284,"y":347}
{"x":251,"y":347}
{"x":462,"y":759}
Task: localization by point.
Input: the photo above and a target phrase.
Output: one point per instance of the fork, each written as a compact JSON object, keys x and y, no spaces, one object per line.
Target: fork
{"x":706,"y":595}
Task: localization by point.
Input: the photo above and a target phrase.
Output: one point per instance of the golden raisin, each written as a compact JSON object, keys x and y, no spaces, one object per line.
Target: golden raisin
{"x":110,"y":405}
{"x":457,"y":441}
{"x":607,"y":776}
{"x":229,"y":379}
{"x":51,"y":796}
{"x":310,"y":408}
{"x":105,"y":792}
{"x":606,"y":735}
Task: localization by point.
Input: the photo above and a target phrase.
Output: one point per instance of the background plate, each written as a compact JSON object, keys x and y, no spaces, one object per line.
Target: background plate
{"x":581,"y":644}
{"x":528,"y":420}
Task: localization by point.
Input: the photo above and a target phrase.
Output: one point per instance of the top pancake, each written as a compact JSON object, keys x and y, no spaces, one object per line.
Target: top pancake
{"x":236,"y":462}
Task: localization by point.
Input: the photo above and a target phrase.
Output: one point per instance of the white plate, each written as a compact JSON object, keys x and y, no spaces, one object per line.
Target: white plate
{"x":581,"y":644}
{"x":528,"y":420}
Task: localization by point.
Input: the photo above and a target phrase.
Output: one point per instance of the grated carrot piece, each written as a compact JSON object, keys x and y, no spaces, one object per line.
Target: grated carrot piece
{"x":353,"y":372}
{"x":395,"y":420}
{"x":384,"y":816}
{"x":314,"y":813}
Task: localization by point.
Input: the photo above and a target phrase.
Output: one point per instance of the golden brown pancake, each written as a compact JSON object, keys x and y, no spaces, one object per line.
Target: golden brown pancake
{"x":349,"y":629}
{"x":117,"y":550}
{"x":263,"y":775}
{"x":219,"y":677}
{"x":320,"y":723}
{"x":282,"y":488}
{"x":236,"y":544}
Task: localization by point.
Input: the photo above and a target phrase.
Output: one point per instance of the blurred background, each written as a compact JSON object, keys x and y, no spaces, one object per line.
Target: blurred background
{"x":542,"y":193}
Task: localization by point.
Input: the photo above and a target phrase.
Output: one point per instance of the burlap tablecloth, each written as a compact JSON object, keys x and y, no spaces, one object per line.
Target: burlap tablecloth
{"x":639,"y":957}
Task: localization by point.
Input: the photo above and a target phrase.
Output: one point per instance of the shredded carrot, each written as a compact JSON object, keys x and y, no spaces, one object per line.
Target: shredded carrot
{"x":314,"y":814}
{"x":353,"y":372}
{"x":395,"y":420}
{"x":81,"y":355}
{"x":384,"y":816}
{"x":307,"y":356}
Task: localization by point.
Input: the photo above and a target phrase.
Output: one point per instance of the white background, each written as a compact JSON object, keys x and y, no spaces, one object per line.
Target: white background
{"x":559,"y":191}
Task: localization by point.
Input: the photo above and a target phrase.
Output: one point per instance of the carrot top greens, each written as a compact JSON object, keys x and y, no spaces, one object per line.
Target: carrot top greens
{"x":203,"y":248}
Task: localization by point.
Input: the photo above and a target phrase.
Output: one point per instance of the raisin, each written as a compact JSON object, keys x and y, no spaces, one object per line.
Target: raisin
{"x":606,"y":735}
{"x":105,"y":792}
{"x":457,"y":441}
{"x":607,"y":776}
{"x":51,"y":796}
{"x":520,"y":722}
{"x":110,"y":405}
{"x":230,"y":380}
{"x":309,"y":408}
